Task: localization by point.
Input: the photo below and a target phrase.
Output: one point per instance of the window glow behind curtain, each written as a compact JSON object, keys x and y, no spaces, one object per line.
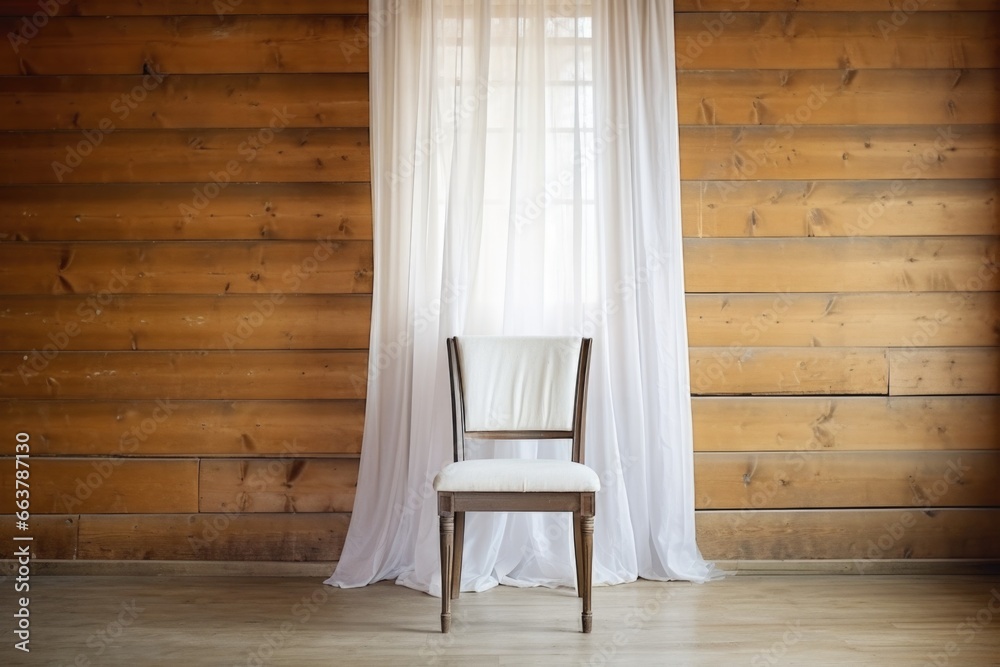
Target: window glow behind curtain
{"x":525,"y":181}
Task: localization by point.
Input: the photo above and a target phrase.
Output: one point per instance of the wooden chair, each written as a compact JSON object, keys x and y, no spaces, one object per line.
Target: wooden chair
{"x":517,"y":388}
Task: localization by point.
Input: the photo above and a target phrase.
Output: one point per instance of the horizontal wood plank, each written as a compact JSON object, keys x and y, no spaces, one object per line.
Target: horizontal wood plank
{"x":829,"y":97}
{"x":933,"y":264}
{"x":840,"y":208}
{"x":750,"y":424}
{"x":183,"y":101}
{"x":190,"y":322}
{"x":162,"y":211}
{"x":882,"y":152}
{"x":836,"y":40}
{"x":201,"y":429}
{"x":264,"y":268}
{"x":186,"y":45}
{"x":943,"y":371}
{"x":185,"y":375}
{"x":209,"y":159}
{"x":311,"y":322}
{"x":105,"y":485}
{"x":742,"y":370}
{"x":864,"y":535}
{"x":894,"y":319}
{"x":186,"y":7}
{"x":791,"y":480}
{"x":54,"y":536}
{"x":813,"y":5}
{"x":278,"y":485}
{"x":227,"y":536}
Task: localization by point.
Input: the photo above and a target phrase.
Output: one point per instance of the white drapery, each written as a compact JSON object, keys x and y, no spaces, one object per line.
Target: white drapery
{"x":525,"y":182}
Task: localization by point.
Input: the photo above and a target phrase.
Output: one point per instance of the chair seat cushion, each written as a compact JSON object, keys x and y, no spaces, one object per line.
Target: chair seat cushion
{"x":516,"y":476}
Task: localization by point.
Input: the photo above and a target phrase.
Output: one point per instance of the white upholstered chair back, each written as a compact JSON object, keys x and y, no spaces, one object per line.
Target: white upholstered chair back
{"x":519,"y":383}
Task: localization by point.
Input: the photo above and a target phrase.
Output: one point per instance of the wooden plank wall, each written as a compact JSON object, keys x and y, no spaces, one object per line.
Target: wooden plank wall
{"x":185,"y":274}
{"x":839,"y":173}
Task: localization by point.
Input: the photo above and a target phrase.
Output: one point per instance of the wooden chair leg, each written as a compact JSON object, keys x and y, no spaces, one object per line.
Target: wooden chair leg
{"x":587,"y":535}
{"x":456,"y":571}
{"x":578,"y":554}
{"x":447,"y":562}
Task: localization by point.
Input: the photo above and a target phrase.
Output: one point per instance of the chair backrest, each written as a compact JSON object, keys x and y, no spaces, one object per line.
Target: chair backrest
{"x":519,"y":388}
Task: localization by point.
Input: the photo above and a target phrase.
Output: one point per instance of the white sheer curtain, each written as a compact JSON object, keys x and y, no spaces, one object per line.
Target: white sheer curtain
{"x":525,"y":181}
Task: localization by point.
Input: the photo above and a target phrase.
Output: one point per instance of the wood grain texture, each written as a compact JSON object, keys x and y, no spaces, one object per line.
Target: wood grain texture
{"x":155,"y":212}
{"x":683,"y":6}
{"x":743,"y":370}
{"x":288,"y":484}
{"x":883,"y":152}
{"x":836,"y":40}
{"x":843,"y":265}
{"x":942,"y":371}
{"x":190,"y":322}
{"x":863,"y":535}
{"x":99,"y":271}
{"x":831,"y":97}
{"x":106,"y":486}
{"x":800,"y":480}
{"x":183,"y":101}
{"x":201,"y":429}
{"x":210,"y":159}
{"x":907,"y":319}
{"x":782,"y":617}
{"x":840,"y":208}
{"x":188,"y":45}
{"x":227,"y":536}
{"x":754,"y":424}
{"x":185,"y":375}
{"x":188,"y":7}
{"x":54,"y":536}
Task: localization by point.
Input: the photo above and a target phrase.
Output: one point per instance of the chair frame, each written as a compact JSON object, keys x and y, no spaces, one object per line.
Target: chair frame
{"x":452,"y":505}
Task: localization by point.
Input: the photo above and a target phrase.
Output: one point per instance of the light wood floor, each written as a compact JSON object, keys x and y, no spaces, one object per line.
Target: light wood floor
{"x":742,"y":620}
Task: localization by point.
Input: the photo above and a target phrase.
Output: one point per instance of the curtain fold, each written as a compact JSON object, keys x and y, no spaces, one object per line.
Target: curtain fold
{"x":525,"y":181}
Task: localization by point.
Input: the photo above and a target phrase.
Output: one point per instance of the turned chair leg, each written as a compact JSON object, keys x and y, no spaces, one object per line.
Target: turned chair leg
{"x":456,"y":569}
{"x":447,"y":562}
{"x":578,"y":553}
{"x":587,"y":538}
